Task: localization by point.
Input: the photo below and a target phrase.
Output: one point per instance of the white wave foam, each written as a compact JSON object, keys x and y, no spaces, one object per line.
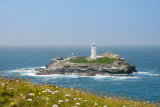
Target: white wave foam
{"x":146,"y":74}
{"x":32,"y":72}
{"x":29,"y":72}
{"x":155,"y":74}
{"x":60,"y":76}
{"x":140,"y":72}
{"x":115,"y":77}
{"x":43,"y":66}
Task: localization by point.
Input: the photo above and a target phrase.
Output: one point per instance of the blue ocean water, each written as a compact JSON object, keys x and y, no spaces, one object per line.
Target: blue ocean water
{"x":142,"y":85}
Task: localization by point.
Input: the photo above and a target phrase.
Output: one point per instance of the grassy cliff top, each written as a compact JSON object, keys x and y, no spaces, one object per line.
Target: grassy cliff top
{"x":103,"y":60}
{"x":22,"y":93}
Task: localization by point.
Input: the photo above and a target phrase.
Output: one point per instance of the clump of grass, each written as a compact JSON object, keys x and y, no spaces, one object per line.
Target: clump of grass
{"x":100,"y":60}
{"x":22,"y":93}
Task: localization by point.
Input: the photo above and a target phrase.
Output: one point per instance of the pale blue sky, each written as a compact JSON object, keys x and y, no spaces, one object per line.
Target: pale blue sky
{"x":79,"y":22}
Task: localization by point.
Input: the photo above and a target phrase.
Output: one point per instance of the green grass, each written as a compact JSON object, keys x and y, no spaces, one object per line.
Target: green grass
{"x":98,"y":61}
{"x":22,"y":93}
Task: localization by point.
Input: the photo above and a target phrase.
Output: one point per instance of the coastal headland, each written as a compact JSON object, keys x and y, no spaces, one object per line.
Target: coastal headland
{"x":18,"y":92}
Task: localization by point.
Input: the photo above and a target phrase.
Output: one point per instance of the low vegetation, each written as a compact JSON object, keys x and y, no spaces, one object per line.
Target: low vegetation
{"x":100,"y":60}
{"x":21,"y":93}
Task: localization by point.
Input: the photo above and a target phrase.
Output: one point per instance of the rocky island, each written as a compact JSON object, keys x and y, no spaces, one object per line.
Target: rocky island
{"x":107,"y":63}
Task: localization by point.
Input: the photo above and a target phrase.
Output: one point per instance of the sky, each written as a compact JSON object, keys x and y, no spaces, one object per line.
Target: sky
{"x":79,"y":22}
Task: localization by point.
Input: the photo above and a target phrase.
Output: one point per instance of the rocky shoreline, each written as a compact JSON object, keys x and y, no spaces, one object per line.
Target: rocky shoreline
{"x":63,"y":66}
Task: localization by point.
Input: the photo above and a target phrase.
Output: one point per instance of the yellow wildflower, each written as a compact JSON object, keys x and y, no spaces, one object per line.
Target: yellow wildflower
{"x":33,"y":94}
{"x":47,"y":98}
{"x":12,"y":103}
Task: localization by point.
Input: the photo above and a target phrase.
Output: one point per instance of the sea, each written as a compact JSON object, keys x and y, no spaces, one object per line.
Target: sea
{"x":143,"y":85}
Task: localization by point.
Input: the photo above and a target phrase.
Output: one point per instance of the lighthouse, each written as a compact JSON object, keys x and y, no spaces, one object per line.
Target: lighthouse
{"x":93,"y":51}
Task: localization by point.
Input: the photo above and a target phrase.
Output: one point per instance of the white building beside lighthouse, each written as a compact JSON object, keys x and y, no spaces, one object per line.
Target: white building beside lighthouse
{"x":93,"y":52}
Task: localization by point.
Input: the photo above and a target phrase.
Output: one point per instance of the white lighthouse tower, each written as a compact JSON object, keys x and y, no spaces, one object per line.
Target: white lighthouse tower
{"x":93,"y":51}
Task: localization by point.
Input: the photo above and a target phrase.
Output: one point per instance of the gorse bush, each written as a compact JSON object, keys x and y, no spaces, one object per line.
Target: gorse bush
{"x":21,"y":93}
